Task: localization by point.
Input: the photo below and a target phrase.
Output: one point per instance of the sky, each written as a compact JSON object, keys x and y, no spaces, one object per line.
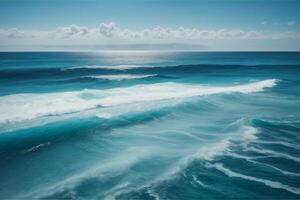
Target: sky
{"x":209,"y":25}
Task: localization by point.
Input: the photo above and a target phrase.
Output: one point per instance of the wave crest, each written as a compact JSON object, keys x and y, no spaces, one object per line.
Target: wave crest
{"x":20,"y":107}
{"x":115,"y":67}
{"x":121,"y":77}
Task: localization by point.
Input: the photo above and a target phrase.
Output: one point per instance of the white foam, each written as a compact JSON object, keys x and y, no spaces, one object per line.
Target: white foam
{"x":153,"y":194}
{"x":115,"y":191}
{"x":207,"y":152}
{"x":105,"y":115}
{"x":250,"y":159}
{"x":37,"y":147}
{"x":19,"y":107}
{"x":281,"y":170}
{"x":116,"y":67}
{"x":287,"y":144}
{"x":274,"y":153}
{"x":199,"y":182}
{"x":272,"y":184}
{"x":210,"y":152}
{"x":247,"y":158}
{"x":121,"y":77}
{"x":249,"y":133}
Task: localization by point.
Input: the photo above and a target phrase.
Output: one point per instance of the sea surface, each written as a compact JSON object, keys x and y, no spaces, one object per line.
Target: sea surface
{"x":150,"y":125}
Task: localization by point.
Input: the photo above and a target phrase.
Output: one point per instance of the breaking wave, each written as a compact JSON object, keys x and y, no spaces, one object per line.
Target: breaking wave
{"x":19,"y":107}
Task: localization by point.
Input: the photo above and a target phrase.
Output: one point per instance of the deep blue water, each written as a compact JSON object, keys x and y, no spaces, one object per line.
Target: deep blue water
{"x":150,"y":125}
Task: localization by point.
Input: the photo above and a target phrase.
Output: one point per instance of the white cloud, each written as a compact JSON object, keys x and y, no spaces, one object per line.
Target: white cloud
{"x":72,"y":31}
{"x":108,"y":29}
{"x":111,"y":33}
{"x":14,"y":33}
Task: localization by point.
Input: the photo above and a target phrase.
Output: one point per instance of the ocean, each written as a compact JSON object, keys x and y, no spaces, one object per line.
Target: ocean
{"x":149,"y":125}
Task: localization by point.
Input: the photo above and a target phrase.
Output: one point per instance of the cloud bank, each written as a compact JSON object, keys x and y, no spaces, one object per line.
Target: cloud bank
{"x":112,"y":34}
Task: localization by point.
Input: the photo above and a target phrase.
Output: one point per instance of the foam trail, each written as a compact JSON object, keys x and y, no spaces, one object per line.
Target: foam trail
{"x":280,"y":170}
{"x":153,"y":194}
{"x":199,"y":182}
{"x":18,"y":107}
{"x":249,"y":159}
{"x":121,"y":77}
{"x":208,"y":152}
{"x":272,"y":184}
{"x":276,"y":154}
{"x":279,"y":143}
{"x":37,"y":147}
{"x":115,"y":191}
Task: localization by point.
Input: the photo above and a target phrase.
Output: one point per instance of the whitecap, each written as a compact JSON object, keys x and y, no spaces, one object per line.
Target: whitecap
{"x":249,"y":133}
{"x":27,"y":106}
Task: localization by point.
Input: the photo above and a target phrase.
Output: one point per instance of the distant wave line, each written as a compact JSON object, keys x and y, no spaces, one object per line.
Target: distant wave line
{"x":116,"y":67}
{"x":120,"y":77}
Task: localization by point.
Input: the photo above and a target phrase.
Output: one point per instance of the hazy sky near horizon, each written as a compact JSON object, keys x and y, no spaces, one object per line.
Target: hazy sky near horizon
{"x":202,"y":24}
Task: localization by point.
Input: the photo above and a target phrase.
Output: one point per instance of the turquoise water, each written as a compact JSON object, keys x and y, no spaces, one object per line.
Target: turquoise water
{"x":150,"y":125}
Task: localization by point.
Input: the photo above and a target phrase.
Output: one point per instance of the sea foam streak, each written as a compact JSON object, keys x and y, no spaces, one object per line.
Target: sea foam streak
{"x":20,"y":107}
{"x":272,"y":184}
{"x":121,"y":77}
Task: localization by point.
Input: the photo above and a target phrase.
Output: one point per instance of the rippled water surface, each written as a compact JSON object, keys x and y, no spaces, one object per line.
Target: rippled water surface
{"x":150,"y":125}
